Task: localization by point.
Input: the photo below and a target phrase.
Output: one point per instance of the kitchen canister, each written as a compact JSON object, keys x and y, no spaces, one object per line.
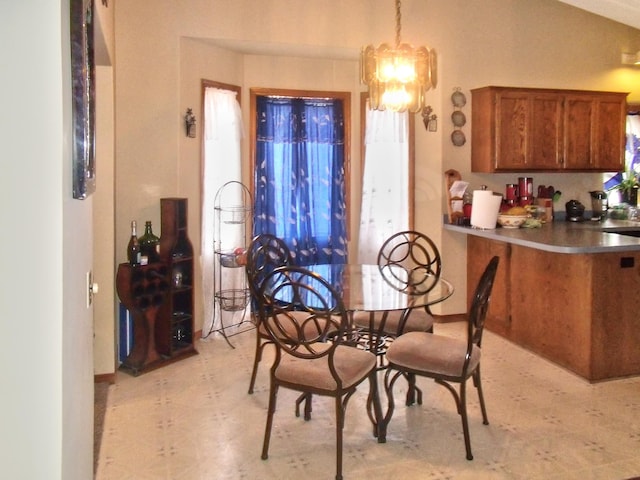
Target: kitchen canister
{"x":486,"y":207}
{"x":525,"y":186}
{"x":511,"y":192}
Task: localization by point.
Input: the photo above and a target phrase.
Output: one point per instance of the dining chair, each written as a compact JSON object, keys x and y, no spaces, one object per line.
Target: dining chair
{"x":421,"y":265}
{"x":317,"y":357}
{"x":266,"y":252}
{"x":445,"y":359}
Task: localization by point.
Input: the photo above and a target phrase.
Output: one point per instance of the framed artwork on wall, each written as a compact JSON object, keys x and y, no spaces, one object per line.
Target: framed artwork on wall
{"x":83,"y":98}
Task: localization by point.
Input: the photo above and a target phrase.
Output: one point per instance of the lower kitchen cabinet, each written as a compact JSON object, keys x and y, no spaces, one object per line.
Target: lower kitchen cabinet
{"x":577,"y":310}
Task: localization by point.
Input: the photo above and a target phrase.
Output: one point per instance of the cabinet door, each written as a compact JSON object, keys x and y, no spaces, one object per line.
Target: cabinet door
{"x":579,"y":120}
{"x":545,"y":132}
{"x":512,"y":124}
{"x":516,"y":129}
{"x":610,"y":132}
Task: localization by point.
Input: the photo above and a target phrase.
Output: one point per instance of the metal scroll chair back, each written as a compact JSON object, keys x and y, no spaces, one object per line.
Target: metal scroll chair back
{"x":301,"y":312}
{"x":410,"y":262}
{"x":418,"y":257}
{"x":266,"y":252}
{"x":480,"y":304}
{"x":306,"y":319}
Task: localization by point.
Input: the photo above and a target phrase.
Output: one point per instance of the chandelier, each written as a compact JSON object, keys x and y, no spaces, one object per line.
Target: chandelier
{"x":398,"y":77}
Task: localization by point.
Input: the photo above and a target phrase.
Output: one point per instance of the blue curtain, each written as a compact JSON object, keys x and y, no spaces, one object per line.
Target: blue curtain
{"x":300,"y":178}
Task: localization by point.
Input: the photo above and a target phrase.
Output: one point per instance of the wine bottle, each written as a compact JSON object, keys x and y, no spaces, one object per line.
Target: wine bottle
{"x":149,"y":245}
{"x":182,"y":247}
{"x":133,"y":249}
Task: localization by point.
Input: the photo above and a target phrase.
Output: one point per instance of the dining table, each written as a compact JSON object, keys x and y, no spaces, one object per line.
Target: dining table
{"x":378,"y":290}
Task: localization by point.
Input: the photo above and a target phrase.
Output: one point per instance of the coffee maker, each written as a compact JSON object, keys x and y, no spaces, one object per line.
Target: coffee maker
{"x":599,"y":205}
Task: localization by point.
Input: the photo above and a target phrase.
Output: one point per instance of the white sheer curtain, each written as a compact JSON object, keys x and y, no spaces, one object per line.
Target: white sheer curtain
{"x":222,"y":164}
{"x":385,"y":181}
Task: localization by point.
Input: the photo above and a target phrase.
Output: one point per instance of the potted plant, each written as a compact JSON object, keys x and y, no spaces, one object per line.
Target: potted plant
{"x":628,"y":188}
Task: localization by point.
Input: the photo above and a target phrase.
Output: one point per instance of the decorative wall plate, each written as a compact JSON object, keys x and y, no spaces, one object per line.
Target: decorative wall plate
{"x":458,"y":99}
{"x":458,"y":118}
{"x":458,"y":138}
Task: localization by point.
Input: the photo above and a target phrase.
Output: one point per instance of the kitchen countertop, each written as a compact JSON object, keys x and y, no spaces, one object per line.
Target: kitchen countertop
{"x":565,"y":237}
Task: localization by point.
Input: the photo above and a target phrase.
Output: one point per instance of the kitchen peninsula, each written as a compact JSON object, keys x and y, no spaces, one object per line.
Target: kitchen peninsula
{"x":569,"y":292}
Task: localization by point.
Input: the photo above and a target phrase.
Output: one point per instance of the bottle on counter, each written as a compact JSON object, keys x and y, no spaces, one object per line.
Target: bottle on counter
{"x":133,"y":249}
{"x":467,"y":200}
{"x":149,"y":245}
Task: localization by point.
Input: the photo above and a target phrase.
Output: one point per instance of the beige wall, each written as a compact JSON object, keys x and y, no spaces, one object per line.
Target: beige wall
{"x":161,"y":59}
{"x":105,"y":302}
{"x":104,"y":305}
{"x":35,"y":137}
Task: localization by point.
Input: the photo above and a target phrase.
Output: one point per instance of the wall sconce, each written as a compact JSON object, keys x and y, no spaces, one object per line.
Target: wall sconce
{"x":631,"y":58}
{"x":430,"y":119}
{"x":190,"y":123}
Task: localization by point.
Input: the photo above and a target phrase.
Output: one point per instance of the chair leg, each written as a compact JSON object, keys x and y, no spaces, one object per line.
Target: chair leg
{"x":478,"y":384}
{"x":386,"y":418}
{"x":339,"y":429}
{"x":374,"y":408}
{"x":462,"y":408}
{"x":306,"y":398}
{"x":413,"y":392}
{"x":256,"y":361}
{"x":273,"y":393}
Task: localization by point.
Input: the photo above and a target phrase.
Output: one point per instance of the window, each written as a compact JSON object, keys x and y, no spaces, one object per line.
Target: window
{"x":222,"y":128}
{"x":613,"y":183}
{"x":300,"y":167}
{"x":387,"y":183}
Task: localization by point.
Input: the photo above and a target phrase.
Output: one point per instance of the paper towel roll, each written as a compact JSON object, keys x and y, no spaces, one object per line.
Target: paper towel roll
{"x":486,"y":207}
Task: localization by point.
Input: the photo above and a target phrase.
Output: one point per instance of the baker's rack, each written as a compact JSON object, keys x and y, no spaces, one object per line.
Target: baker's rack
{"x":232,"y":208}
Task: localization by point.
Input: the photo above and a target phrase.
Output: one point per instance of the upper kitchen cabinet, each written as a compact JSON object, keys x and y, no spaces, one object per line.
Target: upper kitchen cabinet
{"x":524,"y":129}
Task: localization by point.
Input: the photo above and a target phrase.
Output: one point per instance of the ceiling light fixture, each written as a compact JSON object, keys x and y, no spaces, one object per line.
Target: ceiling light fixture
{"x":399,"y":77}
{"x":631,"y":58}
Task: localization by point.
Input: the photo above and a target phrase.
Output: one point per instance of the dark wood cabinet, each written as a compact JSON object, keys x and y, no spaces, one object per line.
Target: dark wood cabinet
{"x":160,"y":296}
{"x":142,"y":290}
{"x":523,"y":129}
{"x":175,"y":329}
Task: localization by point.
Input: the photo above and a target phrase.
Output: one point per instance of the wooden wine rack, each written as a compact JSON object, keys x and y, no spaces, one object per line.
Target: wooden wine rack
{"x":142,"y":290}
{"x":159,"y":296}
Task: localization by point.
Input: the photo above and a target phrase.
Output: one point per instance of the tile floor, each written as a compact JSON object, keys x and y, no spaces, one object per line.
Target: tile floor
{"x":194,"y":420}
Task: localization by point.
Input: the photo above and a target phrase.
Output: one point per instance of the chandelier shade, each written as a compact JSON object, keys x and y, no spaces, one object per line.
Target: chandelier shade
{"x":398,"y":77}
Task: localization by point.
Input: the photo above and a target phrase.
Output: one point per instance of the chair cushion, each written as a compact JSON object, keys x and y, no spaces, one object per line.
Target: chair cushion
{"x":351,"y":364}
{"x":419,"y":321}
{"x":431,"y":353}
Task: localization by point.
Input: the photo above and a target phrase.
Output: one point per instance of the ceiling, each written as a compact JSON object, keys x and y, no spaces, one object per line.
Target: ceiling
{"x":623,"y":11}
{"x":626,"y":12}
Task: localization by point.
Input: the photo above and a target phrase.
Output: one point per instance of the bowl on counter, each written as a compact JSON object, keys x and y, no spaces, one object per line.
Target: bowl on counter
{"x":511,"y":221}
